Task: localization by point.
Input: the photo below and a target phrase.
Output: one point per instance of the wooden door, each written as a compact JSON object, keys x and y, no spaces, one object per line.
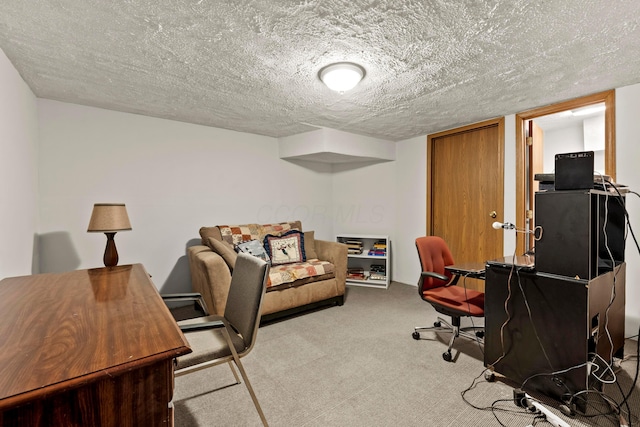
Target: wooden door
{"x":535,"y":143}
{"x":466,"y":191}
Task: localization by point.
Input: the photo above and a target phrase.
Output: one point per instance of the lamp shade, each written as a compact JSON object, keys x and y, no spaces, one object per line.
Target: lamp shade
{"x":341,"y":76}
{"x":109,"y":217}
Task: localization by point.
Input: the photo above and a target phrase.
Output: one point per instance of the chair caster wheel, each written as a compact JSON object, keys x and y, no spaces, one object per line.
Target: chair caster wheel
{"x":489,"y":376}
{"x":437,"y":324}
{"x":416,"y":335}
{"x":447,"y":356}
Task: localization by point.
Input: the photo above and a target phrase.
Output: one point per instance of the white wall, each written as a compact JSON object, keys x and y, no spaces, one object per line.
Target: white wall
{"x":572,"y":138}
{"x":411,"y":208}
{"x":628,"y":172}
{"x":569,"y":139}
{"x":18,"y":174}
{"x":363,"y":198}
{"x":174,"y":178}
{"x":509,"y":243}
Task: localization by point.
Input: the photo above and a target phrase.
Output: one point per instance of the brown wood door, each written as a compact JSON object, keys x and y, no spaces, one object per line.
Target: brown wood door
{"x":466,"y":191}
{"x":535,"y":166}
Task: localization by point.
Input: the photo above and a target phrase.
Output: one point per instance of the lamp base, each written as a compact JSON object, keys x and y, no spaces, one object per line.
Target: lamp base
{"x":110,"y":253}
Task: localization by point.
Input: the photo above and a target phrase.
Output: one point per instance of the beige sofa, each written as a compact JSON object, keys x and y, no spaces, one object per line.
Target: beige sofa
{"x":293,"y":287}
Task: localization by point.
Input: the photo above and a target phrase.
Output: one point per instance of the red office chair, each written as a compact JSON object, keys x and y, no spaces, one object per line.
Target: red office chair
{"x":437,"y":287}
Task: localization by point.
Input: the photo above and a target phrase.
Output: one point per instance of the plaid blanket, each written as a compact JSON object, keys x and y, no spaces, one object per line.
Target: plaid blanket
{"x":289,"y":273}
{"x":279,"y":275}
{"x":236,"y":234}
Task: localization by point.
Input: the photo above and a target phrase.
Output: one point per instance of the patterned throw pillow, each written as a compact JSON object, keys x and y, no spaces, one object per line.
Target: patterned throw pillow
{"x":253,"y":247}
{"x":286,"y":248}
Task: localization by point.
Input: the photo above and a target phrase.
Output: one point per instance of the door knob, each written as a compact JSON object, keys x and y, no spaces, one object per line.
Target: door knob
{"x":493,"y":214}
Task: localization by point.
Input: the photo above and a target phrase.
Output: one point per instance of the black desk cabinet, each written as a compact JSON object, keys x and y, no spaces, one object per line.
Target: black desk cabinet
{"x":567,"y":322}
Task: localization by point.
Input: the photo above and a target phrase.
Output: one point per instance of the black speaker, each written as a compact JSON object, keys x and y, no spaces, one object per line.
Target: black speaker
{"x":574,"y":171}
{"x":582,"y":232}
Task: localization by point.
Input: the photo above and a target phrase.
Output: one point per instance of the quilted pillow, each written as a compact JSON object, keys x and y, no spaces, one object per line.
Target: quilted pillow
{"x":286,"y":248}
{"x":253,"y":247}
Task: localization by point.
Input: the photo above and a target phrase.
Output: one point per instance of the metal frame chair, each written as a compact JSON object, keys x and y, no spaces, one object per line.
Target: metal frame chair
{"x":225,"y":339}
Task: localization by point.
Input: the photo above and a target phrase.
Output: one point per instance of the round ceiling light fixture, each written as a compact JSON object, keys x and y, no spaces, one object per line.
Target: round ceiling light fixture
{"x":341,"y":76}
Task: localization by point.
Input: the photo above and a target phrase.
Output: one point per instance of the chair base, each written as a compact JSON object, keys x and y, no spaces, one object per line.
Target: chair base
{"x":471,"y":332}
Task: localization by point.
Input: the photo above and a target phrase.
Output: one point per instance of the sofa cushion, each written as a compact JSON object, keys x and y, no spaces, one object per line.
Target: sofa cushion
{"x":310,"y":245}
{"x":288,"y":275}
{"x":286,"y":248}
{"x":210,"y":232}
{"x":228,"y":255}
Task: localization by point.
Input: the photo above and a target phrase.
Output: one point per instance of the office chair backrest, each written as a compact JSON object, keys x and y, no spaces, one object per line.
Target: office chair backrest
{"x":434,"y":255}
{"x":246,"y":292}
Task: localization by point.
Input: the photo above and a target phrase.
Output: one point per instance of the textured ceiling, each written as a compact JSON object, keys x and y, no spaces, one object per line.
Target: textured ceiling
{"x":252,"y":65}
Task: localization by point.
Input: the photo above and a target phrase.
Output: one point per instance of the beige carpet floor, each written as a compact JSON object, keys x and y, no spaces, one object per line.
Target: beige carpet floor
{"x":357,"y":365}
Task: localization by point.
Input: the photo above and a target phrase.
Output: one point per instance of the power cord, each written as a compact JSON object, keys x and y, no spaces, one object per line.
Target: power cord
{"x":494,"y":408}
{"x":473,"y":326}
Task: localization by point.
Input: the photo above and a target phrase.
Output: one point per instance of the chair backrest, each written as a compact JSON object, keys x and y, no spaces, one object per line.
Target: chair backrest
{"x":246,"y":292}
{"x":434,"y":255}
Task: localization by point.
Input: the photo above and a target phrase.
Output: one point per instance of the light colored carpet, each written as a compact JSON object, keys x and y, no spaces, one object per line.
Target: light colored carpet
{"x":357,"y":365}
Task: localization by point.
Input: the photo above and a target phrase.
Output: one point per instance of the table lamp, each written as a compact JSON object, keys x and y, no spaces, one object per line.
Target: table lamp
{"x":109,"y":218}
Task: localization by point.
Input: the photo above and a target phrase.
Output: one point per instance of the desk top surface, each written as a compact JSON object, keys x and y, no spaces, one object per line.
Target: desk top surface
{"x":60,"y":330}
{"x":470,"y":269}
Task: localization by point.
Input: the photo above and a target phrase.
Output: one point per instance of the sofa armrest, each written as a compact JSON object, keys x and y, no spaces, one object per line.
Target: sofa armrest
{"x":336,"y":254}
{"x":210,"y":277}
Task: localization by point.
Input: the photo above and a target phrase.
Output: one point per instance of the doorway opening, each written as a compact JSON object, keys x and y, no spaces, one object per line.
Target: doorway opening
{"x":534,"y":156}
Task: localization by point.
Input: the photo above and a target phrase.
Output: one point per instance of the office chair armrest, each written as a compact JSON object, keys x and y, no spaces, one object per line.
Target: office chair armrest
{"x":187,"y":296}
{"x":213,"y":324}
{"x":434,"y":275}
{"x":447,"y":281}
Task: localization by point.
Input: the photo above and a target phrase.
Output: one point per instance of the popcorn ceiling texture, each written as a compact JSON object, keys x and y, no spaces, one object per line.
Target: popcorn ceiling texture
{"x":252,"y":65}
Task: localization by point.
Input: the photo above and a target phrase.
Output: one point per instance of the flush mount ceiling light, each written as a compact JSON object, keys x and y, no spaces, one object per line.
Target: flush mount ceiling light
{"x":341,"y":76}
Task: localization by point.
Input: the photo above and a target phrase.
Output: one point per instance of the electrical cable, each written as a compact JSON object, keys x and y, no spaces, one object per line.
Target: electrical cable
{"x":608,"y":368}
{"x":635,"y":378}
{"x":466,"y":297}
{"x":493,"y":408}
{"x":553,"y":374}
{"x":533,"y":326}
{"x":509,"y":294}
{"x":616,"y":408}
{"x":613,"y":266}
{"x":626,"y":213}
{"x":508,"y":319}
{"x":613,"y":405}
{"x":626,"y":404}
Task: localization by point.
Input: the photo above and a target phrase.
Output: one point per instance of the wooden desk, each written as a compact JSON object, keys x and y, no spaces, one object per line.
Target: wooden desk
{"x":475,"y":270}
{"x":86,"y":348}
